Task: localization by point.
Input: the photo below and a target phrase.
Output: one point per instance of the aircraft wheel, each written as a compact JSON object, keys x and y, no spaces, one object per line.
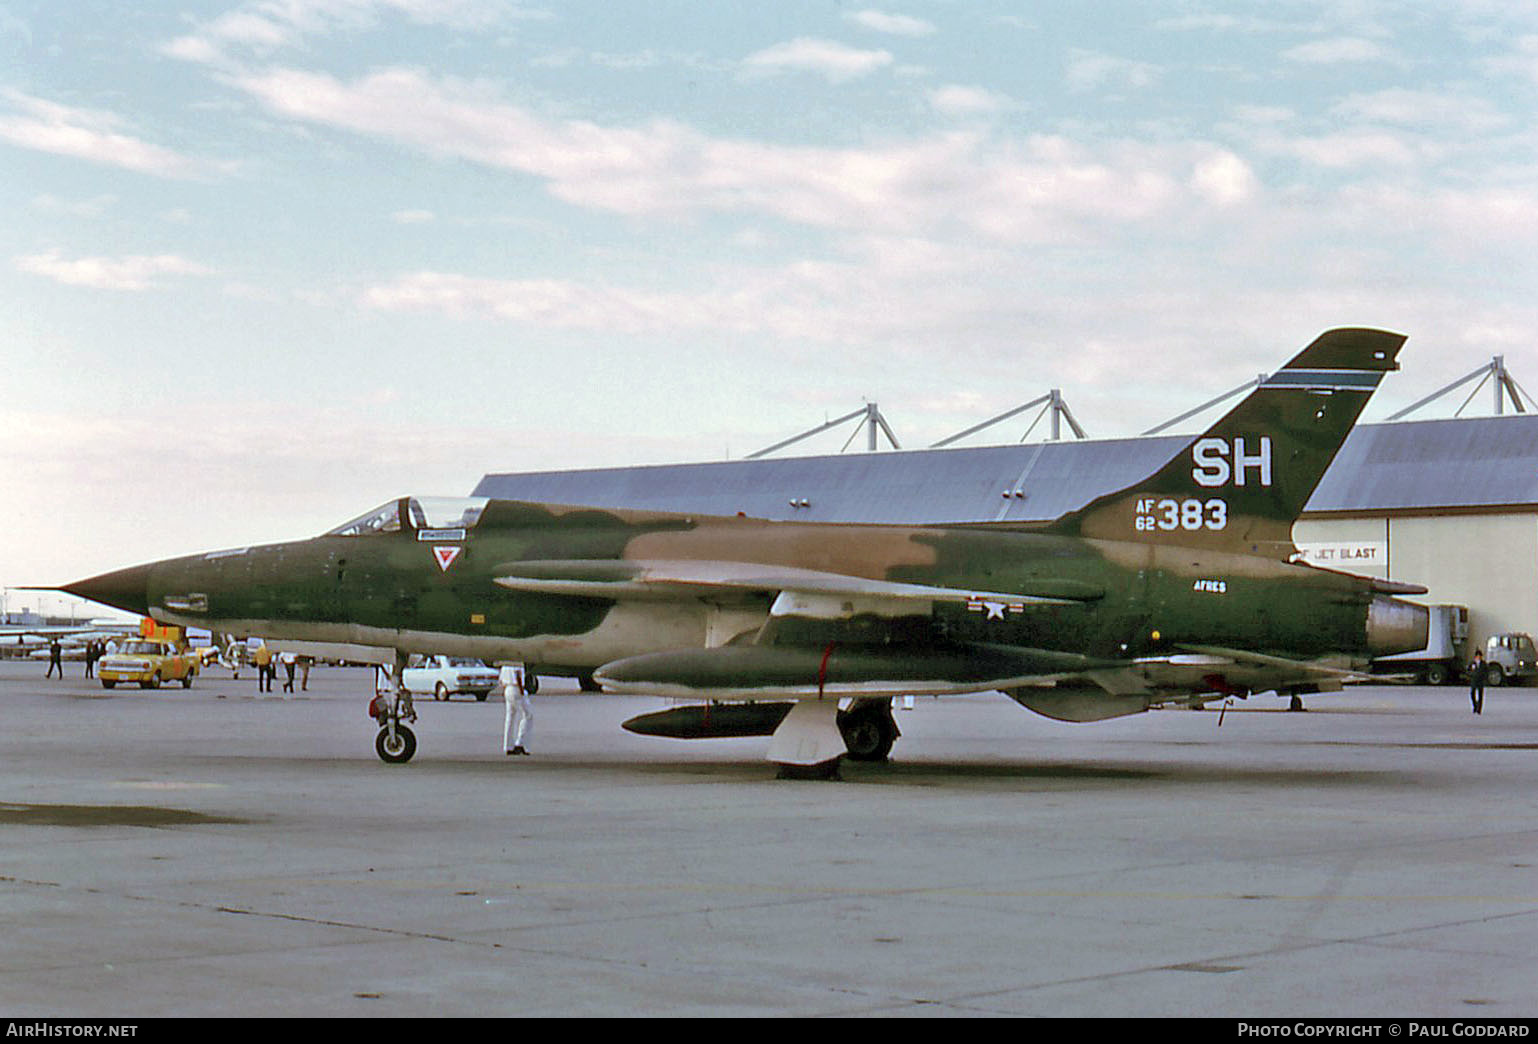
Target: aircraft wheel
{"x":440,"y":692}
{"x":395,"y":751}
{"x":869,"y":731}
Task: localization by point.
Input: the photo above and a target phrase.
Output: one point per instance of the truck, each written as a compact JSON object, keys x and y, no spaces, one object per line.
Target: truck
{"x":446,"y":676}
{"x":148,"y":661}
{"x":1446,"y":651}
{"x":1510,"y":655}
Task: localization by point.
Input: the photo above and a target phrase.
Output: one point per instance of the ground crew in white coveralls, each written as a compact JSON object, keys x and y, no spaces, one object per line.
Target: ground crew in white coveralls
{"x":520,"y":711}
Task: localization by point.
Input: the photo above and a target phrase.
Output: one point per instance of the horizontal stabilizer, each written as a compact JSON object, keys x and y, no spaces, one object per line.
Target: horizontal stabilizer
{"x":1379,"y":584}
{"x":1294,"y":670}
{"x":1192,"y":674}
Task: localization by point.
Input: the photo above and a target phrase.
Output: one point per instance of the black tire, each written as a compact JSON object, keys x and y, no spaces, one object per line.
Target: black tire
{"x":531,"y":683}
{"x":481,"y":697}
{"x":1437,"y":674}
{"x":187,"y":680}
{"x":108,"y":684}
{"x":869,"y":731}
{"x":1495,"y":676}
{"x":400,"y":751}
{"x":440,"y":692}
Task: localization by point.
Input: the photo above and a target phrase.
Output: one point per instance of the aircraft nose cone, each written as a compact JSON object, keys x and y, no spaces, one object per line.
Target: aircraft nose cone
{"x":126,"y":589}
{"x":1394,"y":626}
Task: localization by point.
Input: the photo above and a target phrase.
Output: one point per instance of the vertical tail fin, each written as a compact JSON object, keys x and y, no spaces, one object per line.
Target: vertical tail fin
{"x":1240,"y":485}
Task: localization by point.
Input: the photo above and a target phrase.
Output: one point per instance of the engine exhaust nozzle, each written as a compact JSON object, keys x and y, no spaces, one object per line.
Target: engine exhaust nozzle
{"x":1396,"y":626}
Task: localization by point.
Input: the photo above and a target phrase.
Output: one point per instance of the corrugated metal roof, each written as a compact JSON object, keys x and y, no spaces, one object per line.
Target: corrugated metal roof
{"x":1405,"y":466}
{"x":1480,"y":462}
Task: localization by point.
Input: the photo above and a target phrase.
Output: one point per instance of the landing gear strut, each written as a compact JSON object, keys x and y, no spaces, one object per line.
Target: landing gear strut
{"x":395,"y":743}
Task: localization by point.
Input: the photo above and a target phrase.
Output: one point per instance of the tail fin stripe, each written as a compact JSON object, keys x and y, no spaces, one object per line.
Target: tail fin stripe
{"x":1325,"y":380}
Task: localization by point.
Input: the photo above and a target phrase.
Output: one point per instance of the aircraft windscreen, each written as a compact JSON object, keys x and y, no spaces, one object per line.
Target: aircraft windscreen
{"x":384,"y":519}
{"x":425,"y":513}
{"x":447,"y":512}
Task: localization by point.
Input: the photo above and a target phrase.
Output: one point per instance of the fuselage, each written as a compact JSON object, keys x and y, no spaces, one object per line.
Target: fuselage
{"x":418,"y":589}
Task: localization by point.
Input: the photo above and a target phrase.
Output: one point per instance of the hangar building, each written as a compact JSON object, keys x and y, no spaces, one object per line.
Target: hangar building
{"x":1450,"y":504}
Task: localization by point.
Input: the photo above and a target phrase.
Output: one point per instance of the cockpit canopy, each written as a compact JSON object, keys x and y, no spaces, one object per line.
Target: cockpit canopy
{"x":415,"y":513}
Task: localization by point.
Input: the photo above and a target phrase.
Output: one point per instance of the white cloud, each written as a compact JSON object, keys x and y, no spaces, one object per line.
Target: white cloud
{"x":886,"y":299}
{"x":1090,"y":70}
{"x":1431,"y":110}
{"x":84,"y":208}
{"x":893,"y":24}
{"x":1044,"y":188}
{"x":957,"y":100}
{"x":1263,"y":115}
{"x":1224,"y":179}
{"x":88,"y":134}
{"x":261,"y":27}
{"x":1470,"y":220}
{"x":835,"y":61}
{"x":1521,"y":61}
{"x":1336,"y":50}
{"x":1247,"y":23}
{"x":412,"y":217}
{"x":1349,"y":149}
{"x":132,"y":272}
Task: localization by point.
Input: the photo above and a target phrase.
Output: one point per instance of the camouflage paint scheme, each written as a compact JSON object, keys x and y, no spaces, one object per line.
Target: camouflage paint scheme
{"x":1178,"y":587}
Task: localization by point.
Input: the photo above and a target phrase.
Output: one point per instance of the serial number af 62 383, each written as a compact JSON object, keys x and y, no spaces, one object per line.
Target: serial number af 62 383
{"x":1170,"y":514}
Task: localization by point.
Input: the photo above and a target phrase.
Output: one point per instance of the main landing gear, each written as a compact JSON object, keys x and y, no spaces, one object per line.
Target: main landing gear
{"x":395,"y":743}
{"x":869,"y":730}
{"x":816,"y":736}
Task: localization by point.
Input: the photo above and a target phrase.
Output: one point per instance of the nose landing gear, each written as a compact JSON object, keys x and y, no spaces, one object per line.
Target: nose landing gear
{"x":395,"y":743}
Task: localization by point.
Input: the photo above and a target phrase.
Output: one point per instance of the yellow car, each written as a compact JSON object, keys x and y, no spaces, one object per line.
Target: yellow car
{"x":147,"y":662}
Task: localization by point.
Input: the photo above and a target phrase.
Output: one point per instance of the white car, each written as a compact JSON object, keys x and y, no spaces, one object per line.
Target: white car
{"x":444,"y":676}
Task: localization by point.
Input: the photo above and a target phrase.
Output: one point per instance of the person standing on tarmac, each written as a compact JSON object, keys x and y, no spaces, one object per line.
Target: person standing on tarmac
{"x":264,"y":670}
{"x":55,"y":659}
{"x":520,"y":712}
{"x":1478,"y":672}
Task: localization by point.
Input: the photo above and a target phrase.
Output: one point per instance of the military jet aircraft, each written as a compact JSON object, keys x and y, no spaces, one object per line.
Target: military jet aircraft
{"x":1178,"y":588}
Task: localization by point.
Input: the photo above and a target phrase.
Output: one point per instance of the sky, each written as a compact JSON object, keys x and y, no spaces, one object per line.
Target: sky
{"x":266,"y":264}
